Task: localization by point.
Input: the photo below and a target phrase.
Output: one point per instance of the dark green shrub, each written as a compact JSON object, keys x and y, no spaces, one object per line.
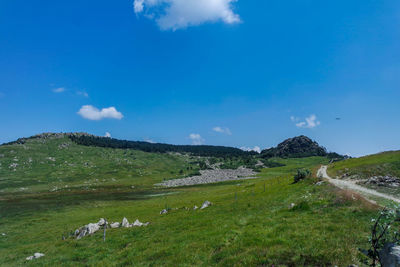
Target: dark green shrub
{"x":301,"y":175}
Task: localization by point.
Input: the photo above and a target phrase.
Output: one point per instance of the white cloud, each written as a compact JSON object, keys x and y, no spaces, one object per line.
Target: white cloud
{"x":196,"y":139}
{"x":107,"y":135}
{"x":178,"y":14}
{"x":82,"y":93}
{"x":138,"y":6}
{"x":310,"y":122}
{"x":256,"y":149}
{"x":59,"y":90}
{"x":148,"y":140}
{"x":223,"y":130}
{"x":92,"y":113}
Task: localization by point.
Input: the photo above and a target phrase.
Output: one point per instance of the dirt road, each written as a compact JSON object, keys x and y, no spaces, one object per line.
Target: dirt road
{"x":346,"y":184}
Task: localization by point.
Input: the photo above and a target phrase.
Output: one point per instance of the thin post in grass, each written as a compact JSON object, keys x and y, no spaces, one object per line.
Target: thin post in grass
{"x":104,"y":233}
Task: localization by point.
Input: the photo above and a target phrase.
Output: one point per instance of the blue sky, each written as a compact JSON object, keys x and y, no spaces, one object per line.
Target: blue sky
{"x":221,"y":72}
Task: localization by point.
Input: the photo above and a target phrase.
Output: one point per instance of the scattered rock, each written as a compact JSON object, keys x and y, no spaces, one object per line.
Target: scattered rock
{"x":125,"y":223}
{"x":91,"y":228}
{"x":115,"y":225}
{"x":195,"y":207}
{"x":102,"y":222}
{"x":206,"y":204}
{"x":3,"y":234}
{"x":164,"y":211}
{"x":292,"y":205}
{"x":389,"y":181}
{"x":35,"y":256}
{"x":390,"y":255}
{"x":319,"y":183}
{"x":138,"y":223}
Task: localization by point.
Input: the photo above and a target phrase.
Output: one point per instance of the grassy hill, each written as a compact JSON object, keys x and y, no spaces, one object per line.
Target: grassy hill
{"x":53,"y":164}
{"x":59,"y":186}
{"x":386,"y":163}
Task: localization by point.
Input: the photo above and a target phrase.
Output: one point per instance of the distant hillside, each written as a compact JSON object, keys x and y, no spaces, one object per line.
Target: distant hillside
{"x":98,"y":141}
{"x":298,"y":147}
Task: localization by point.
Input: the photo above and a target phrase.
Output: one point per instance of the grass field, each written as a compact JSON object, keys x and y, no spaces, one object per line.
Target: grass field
{"x":249,"y":223}
{"x":58,"y":164}
{"x":386,"y":163}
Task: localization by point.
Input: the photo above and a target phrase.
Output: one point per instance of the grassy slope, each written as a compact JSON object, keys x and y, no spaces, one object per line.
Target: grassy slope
{"x":254,"y":228}
{"x":386,"y":163}
{"x":45,"y":165}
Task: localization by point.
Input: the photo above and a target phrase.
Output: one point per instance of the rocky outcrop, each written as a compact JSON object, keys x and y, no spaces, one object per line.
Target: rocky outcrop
{"x":296,"y":147}
{"x":212,"y":176}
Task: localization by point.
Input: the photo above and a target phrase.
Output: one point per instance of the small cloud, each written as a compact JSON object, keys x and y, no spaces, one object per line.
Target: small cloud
{"x":107,"y":135}
{"x":82,"y":93}
{"x":138,"y":6}
{"x":59,"y":90}
{"x":223,"y":130}
{"x":255,"y":149}
{"x":196,"y":139}
{"x":92,"y":113}
{"x":180,"y":14}
{"x":310,"y":122}
{"x":148,"y":140}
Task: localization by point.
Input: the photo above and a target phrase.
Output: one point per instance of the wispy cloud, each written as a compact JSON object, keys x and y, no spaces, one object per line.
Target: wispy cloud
{"x":82,"y":93}
{"x":59,"y":90}
{"x":223,"y":130}
{"x":310,"y":122}
{"x":256,"y":149}
{"x":92,"y":113}
{"x":178,"y":14}
{"x":107,"y":134}
{"x":196,"y":139}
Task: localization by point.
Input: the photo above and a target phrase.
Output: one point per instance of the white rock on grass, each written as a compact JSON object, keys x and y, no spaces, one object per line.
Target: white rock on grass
{"x":102,"y":222}
{"x":115,"y":225}
{"x":138,"y":223}
{"x":206,"y":204}
{"x":35,"y":256}
{"x":164,"y":211}
{"x":195,"y":207}
{"x":125,"y":223}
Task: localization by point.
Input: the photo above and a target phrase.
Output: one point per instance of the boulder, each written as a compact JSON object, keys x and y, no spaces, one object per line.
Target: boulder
{"x":125,"y":223}
{"x":206,"y":204}
{"x":102,"y":222}
{"x":195,"y":207}
{"x":115,"y":225}
{"x":390,"y":255}
{"x":164,"y":211}
{"x":35,"y":256}
{"x":138,"y":223}
{"x":92,"y":228}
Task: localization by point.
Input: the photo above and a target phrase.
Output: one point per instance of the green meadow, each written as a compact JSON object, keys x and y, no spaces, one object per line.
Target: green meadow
{"x":260,"y":222}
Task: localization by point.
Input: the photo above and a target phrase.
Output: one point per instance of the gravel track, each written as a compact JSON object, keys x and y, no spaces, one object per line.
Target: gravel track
{"x":346,"y":184}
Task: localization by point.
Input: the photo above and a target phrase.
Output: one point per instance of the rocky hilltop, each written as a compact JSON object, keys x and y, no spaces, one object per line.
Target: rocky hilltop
{"x":296,"y":147}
